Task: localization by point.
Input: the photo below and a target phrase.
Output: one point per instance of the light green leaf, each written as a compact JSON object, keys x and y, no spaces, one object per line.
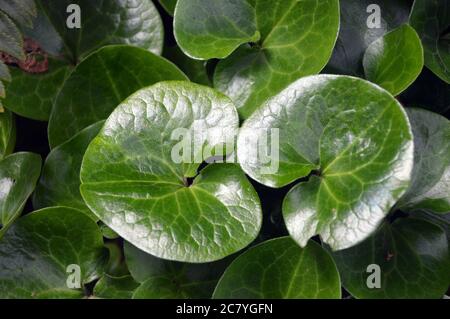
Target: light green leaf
{"x":11,"y":41}
{"x":353,"y":137}
{"x":19,"y":173}
{"x":110,"y":287}
{"x":413,"y":258}
{"x":431,"y":19}
{"x":38,"y":249}
{"x":133,"y":182}
{"x":7,"y":133}
{"x":100,"y":83}
{"x":59,"y":184}
{"x":395,"y":60}
{"x":278,"y":268}
{"x":206,"y":29}
{"x":430,"y":185}
{"x":21,"y":11}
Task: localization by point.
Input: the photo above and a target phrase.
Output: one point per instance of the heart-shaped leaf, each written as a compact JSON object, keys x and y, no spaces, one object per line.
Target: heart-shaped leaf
{"x":430,"y":184}
{"x":431,"y":19}
{"x":395,"y":60}
{"x":297,"y":39}
{"x":133,"y":180}
{"x":170,"y":279}
{"x":110,"y":287}
{"x":100,"y":82}
{"x":59,"y":184}
{"x":356,"y":138}
{"x":7,"y":133}
{"x":19,"y":173}
{"x":411,"y":257}
{"x":43,"y":253}
{"x":279,"y":268}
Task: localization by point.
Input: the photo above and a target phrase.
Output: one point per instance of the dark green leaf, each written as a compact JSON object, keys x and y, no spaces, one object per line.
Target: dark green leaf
{"x":278,"y":268}
{"x":116,"y":266}
{"x":100,"y":83}
{"x":5,"y":75}
{"x":115,"y":287}
{"x":442,"y":220}
{"x":133,"y":183}
{"x":36,"y":252}
{"x":7,"y":133}
{"x":413,"y":258}
{"x":168,"y":5}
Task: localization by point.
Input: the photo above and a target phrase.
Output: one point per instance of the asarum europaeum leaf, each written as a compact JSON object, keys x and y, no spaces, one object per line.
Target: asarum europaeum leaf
{"x":7,"y":133}
{"x":296,"y":39}
{"x":395,"y":60}
{"x":19,"y":173}
{"x":431,"y":19}
{"x":135,"y":179}
{"x":59,"y":184}
{"x":430,"y":184}
{"x":411,"y":256}
{"x":169,"y":6}
{"x":111,"y":287}
{"x":100,"y":82}
{"x":279,"y":268}
{"x":161,"y":278}
{"x":41,"y":250}
{"x":353,"y":138}
{"x":109,"y":22}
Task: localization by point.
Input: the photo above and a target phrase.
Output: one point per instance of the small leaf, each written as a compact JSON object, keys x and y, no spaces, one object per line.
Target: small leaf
{"x":431,"y":19}
{"x":355,"y":139}
{"x":116,"y":266}
{"x":110,"y":287}
{"x":11,"y":41}
{"x":413,"y":258}
{"x":278,"y":268}
{"x":206,"y":29}
{"x":132,"y":182}
{"x":395,"y":60}
{"x":19,"y":173}
{"x":39,"y":248}
{"x":430,"y":185}
{"x":169,"y":6}
{"x":100,"y":83}
{"x":21,"y":11}
{"x":59,"y":184}
{"x":7,"y":133}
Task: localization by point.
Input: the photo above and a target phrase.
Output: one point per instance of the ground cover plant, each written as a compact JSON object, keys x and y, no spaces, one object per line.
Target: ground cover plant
{"x":224,"y":149}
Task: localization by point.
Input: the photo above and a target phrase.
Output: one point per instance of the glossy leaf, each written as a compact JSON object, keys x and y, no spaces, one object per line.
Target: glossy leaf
{"x":169,"y":279}
{"x":38,"y":249}
{"x":413,"y":258}
{"x":430,"y":185}
{"x":100,"y":83}
{"x":7,"y":133}
{"x":206,"y":29}
{"x":19,"y":173}
{"x":59,"y":184}
{"x":355,"y":139}
{"x":431,"y":19}
{"x":278,"y":268}
{"x":121,"y":22}
{"x":297,"y":38}
{"x":395,"y":60}
{"x":110,"y":287}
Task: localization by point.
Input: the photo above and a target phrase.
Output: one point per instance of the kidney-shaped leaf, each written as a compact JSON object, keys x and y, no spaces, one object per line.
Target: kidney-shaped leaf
{"x":44,"y":253}
{"x":356,"y":138}
{"x":7,"y":133}
{"x":411,"y":257}
{"x":279,"y":268}
{"x":430,"y":184}
{"x":133,"y":180}
{"x":19,"y":173}
{"x":100,"y":83}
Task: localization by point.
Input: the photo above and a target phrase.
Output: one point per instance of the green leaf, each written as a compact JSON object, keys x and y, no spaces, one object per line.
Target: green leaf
{"x":395,"y":60}
{"x":38,"y":249}
{"x":11,"y":41}
{"x":116,"y":266}
{"x":213,"y":28}
{"x":59,"y":184}
{"x":431,"y":19}
{"x":413,"y":258}
{"x":160,"y":278}
{"x":107,"y":232}
{"x":297,"y":38}
{"x":278,"y":268}
{"x":134,"y":184}
{"x":430,"y":185}
{"x":442,"y":220}
{"x":21,"y":11}
{"x":32,"y":94}
{"x":19,"y":173}
{"x":107,"y":22}
{"x":110,"y":287}
{"x":355,"y":139}
{"x":7,"y":133}
{"x":5,"y":75}
{"x":100,"y":83}
{"x":169,"y":6}
{"x":358,"y":30}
